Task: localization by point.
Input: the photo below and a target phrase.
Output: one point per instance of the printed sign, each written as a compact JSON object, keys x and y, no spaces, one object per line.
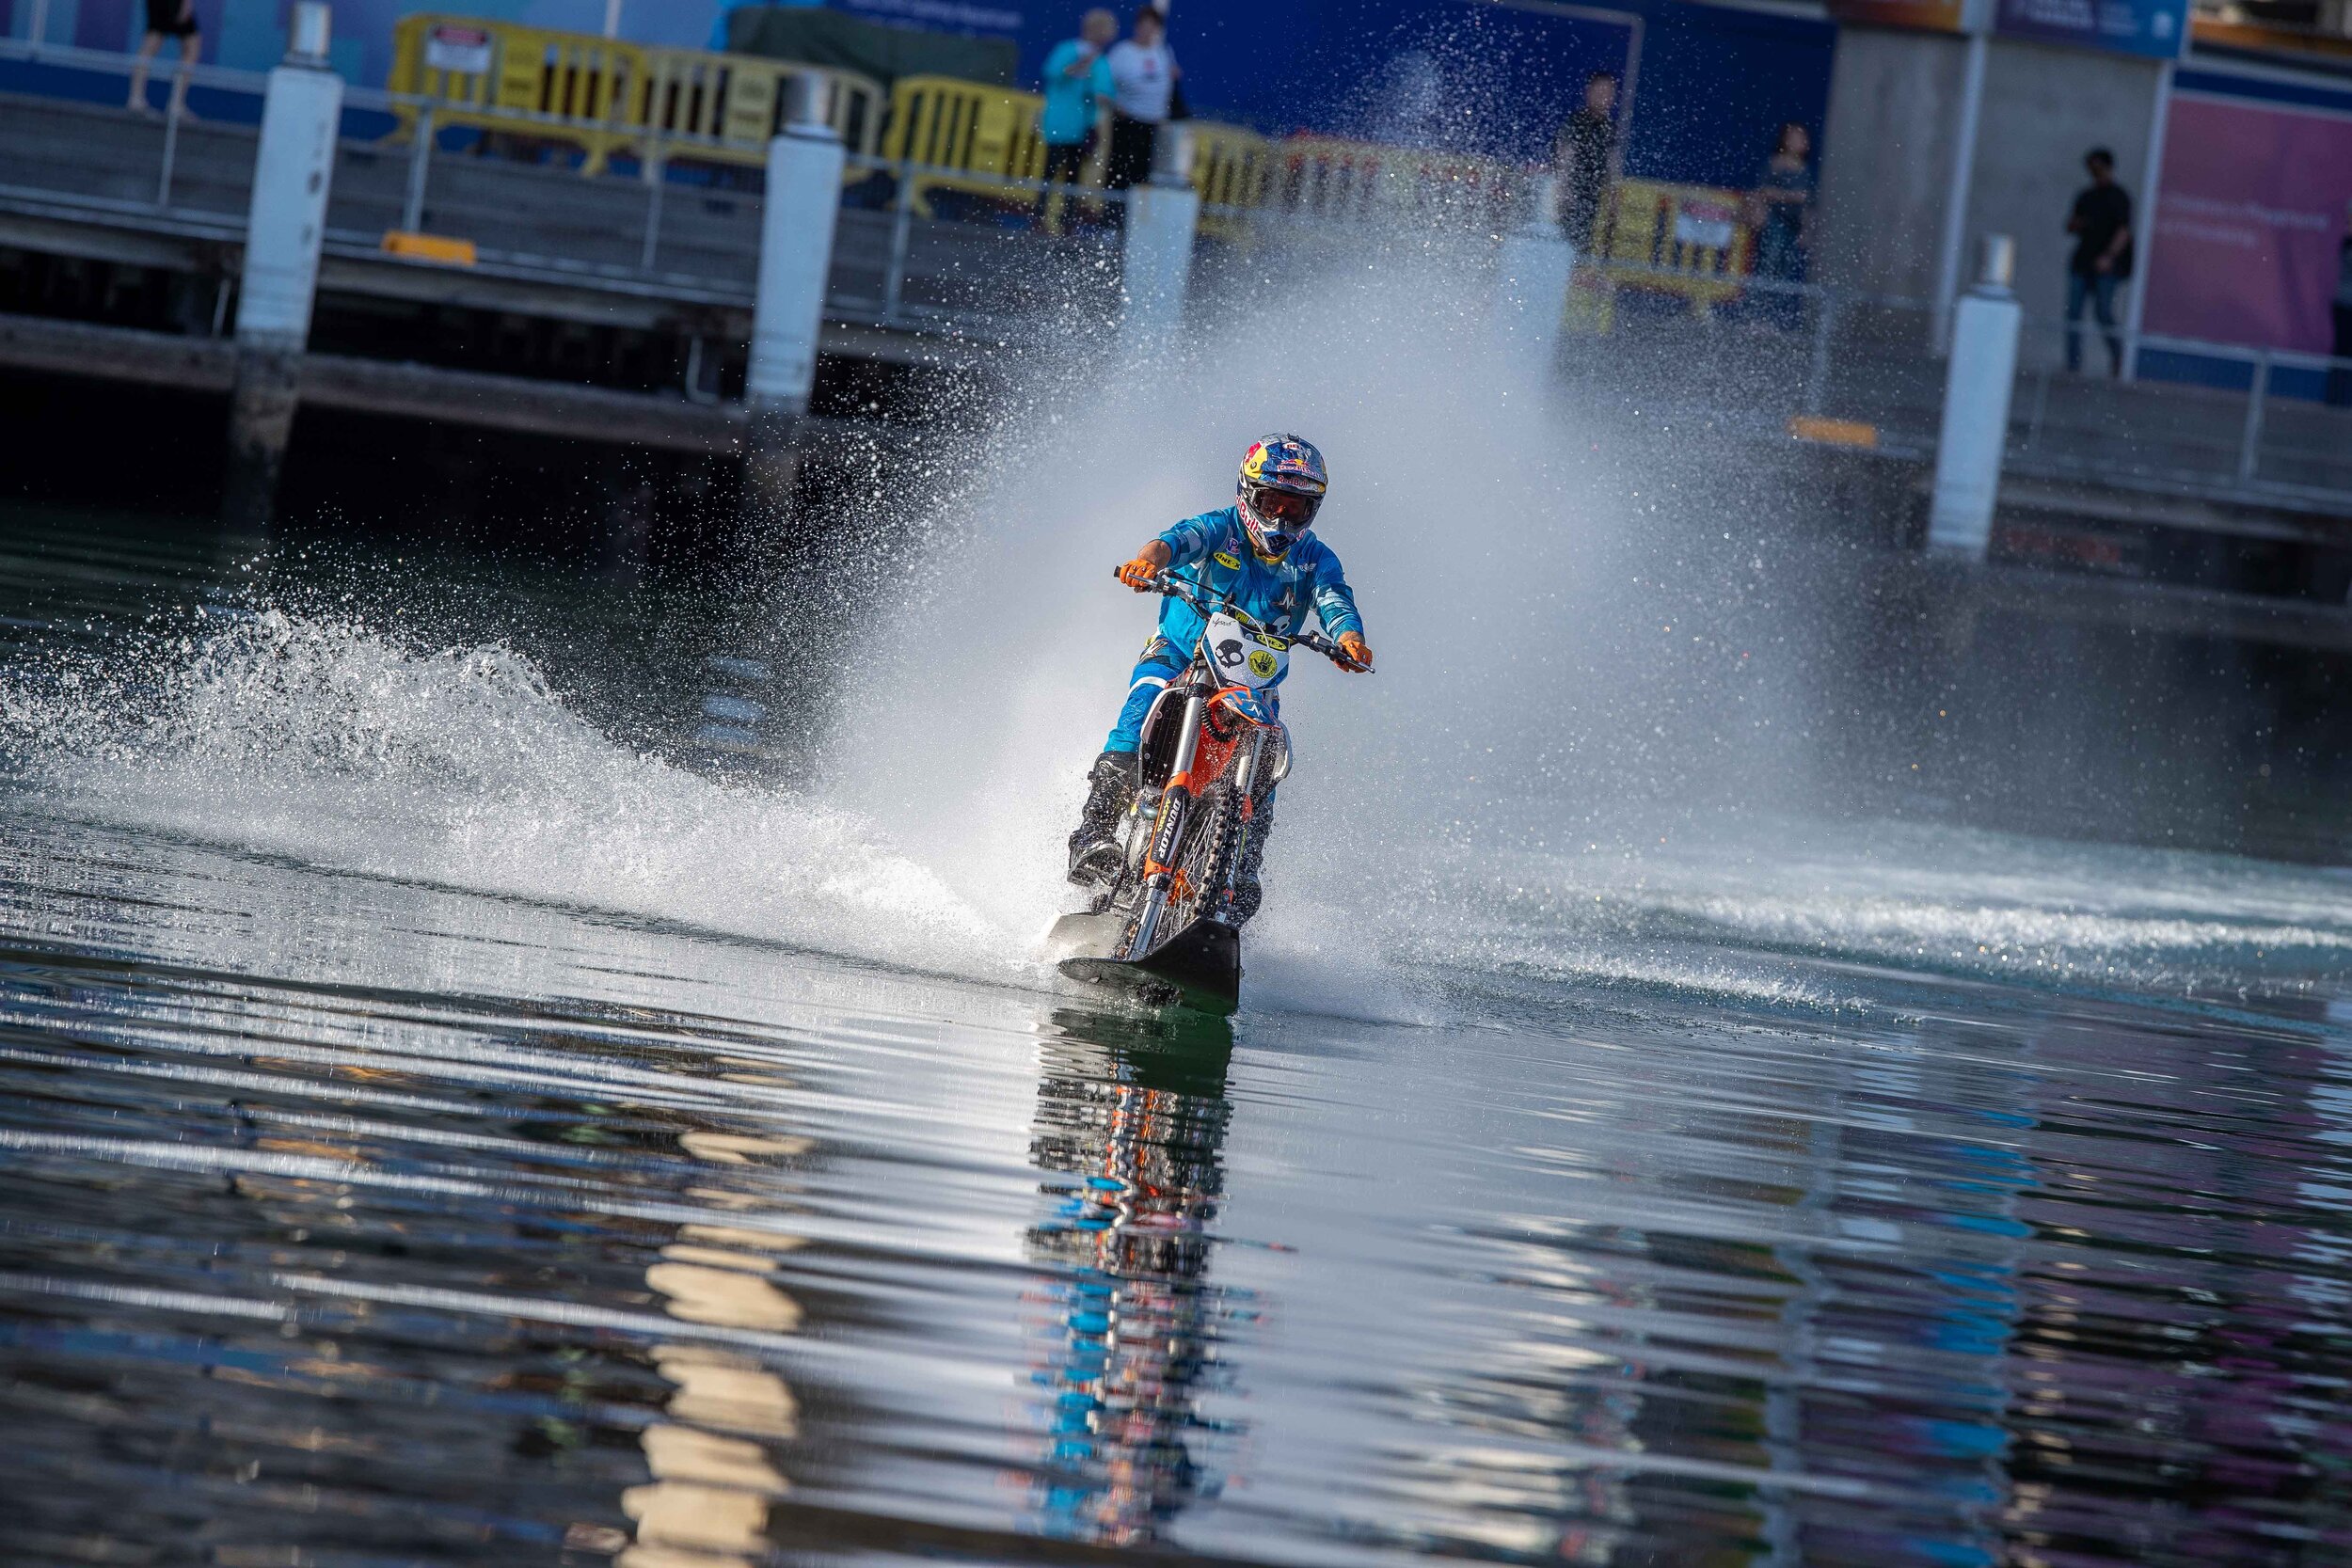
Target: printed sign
{"x":2157,"y":28}
{"x":2250,"y":220}
{"x":463,"y":50}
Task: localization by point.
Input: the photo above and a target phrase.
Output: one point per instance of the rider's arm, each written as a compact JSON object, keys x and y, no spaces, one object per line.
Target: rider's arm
{"x":1179,"y":546}
{"x":1188,"y":541}
{"x":1335,"y":602}
{"x":1335,"y":607}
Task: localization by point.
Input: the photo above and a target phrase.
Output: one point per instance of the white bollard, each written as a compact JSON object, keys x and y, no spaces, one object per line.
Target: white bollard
{"x":1156,"y":264}
{"x":801,"y":209}
{"x":800,"y":213}
{"x":291,"y":173}
{"x":294,"y":169}
{"x":1532,"y":278}
{"x":1977,"y":386}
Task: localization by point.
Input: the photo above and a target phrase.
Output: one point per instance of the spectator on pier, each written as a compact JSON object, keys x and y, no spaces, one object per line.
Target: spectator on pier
{"x":1783,"y":197}
{"x":2101,"y":227}
{"x":1078,"y":80}
{"x":1583,"y":160}
{"x":173,"y":18}
{"x":1144,"y":77}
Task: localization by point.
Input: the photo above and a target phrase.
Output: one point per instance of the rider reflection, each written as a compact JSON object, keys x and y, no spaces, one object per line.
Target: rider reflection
{"x":1130,"y":1348}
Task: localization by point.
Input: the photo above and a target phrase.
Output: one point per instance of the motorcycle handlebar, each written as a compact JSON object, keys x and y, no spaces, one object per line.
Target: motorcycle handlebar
{"x":1176,"y":588}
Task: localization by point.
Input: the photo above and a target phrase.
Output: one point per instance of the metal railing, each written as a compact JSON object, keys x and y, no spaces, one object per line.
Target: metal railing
{"x":2201,"y":419}
{"x":2215,"y":421}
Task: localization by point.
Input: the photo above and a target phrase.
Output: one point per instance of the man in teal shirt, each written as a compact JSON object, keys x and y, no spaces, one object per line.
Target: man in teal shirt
{"x":1076,"y":80}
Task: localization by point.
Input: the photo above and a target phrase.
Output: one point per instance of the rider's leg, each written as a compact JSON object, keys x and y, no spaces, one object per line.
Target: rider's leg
{"x":1094,"y":849}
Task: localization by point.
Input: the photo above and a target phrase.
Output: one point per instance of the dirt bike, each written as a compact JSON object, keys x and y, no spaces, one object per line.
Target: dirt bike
{"x":1212,"y":748}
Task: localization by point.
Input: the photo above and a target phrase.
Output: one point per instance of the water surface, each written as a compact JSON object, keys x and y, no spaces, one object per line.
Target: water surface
{"x":441,"y":1124}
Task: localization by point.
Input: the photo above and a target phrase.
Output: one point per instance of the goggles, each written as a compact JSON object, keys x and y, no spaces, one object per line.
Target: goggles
{"x":1284,"y":509}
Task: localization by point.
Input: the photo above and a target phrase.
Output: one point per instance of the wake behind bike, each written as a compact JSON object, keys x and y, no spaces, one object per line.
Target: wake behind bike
{"x":1167,"y":926}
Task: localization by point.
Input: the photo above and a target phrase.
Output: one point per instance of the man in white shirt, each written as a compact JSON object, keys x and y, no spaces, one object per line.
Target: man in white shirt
{"x":1143,"y":91}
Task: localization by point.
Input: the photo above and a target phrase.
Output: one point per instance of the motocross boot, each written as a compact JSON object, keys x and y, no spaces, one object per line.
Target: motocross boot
{"x":1095,"y":849}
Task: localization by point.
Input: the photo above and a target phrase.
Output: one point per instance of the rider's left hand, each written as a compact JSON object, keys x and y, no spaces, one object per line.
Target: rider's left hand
{"x":1358,"y":653}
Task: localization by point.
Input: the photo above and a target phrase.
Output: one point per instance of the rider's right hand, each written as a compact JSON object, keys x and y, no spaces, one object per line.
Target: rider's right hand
{"x":1140,"y":572}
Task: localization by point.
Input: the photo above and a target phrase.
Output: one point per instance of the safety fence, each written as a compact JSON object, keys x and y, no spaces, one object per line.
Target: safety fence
{"x":604,"y":96}
{"x":1683,"y":326}
{"x":1789,"y":362}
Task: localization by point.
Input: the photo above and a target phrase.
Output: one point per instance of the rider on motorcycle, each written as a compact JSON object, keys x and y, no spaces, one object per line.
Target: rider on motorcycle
{"x":1262,"y":554}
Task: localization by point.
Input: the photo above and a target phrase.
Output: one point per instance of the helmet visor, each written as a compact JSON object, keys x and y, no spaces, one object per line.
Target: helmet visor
{"x":1284,"y":509}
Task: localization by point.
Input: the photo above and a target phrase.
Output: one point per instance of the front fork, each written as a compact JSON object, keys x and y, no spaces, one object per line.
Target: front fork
{"x":1168,"y":828}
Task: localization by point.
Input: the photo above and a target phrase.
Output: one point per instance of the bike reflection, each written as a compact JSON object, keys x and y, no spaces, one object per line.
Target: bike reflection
{"x":1134,"y":1116}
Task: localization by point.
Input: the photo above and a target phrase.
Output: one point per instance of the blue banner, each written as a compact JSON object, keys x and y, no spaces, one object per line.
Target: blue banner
{"x":2158,"y":29}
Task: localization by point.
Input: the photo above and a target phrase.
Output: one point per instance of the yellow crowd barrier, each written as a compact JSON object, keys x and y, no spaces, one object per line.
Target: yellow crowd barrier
{"x":1231,"y":168}
{"x":605,"y":96}
{"x":974,"y":137}
{"x":1689,"y":242}
{"x":1344,"y":181}
{"x":982,"y":136}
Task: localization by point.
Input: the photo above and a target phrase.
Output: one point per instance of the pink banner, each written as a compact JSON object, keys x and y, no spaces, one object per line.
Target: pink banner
{"x":2251,"y":212}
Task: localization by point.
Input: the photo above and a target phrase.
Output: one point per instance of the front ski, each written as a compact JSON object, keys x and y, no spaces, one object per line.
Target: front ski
{"x":1199,"y":967}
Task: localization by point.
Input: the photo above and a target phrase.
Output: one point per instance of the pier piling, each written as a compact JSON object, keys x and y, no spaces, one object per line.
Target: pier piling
{"x":293,"y":169}
{"x":1977,"y":385}
{"x":1532,"y":278}
{"x":802,"y":207}
{"x":1157,"y":255}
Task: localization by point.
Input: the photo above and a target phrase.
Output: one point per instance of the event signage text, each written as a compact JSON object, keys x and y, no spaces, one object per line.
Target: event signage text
{"x":2158,"y":29}
{"x":2249,"y":225}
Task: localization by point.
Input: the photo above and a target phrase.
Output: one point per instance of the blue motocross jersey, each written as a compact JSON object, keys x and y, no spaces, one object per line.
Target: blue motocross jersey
{"x":1212,"y":550}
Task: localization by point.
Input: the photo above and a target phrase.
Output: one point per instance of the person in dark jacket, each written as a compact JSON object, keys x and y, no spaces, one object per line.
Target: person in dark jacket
{"x":1583,"y":160}
{"x":2101,"y":227}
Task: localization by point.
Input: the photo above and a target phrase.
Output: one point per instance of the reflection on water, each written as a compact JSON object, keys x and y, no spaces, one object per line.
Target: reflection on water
{"x":1133,"y":1121}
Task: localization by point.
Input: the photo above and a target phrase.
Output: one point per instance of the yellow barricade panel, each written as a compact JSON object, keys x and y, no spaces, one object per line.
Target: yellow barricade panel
{"x":604,"y":96}
{"x":983,"y":135}
{"x":1693,"y":242}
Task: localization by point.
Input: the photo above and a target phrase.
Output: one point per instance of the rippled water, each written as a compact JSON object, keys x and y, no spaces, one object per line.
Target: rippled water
{"x":434,"y":1132}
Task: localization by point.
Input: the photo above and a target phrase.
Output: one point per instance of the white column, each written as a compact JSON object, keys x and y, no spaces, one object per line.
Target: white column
{"x":1964,"y":175}
{"x":291,"y":172}
{"x":801,"y":210}
{"x":1531,"y":275}
{"x":2144,"y":240}
{"x":294,"y":169}
{"x":1977,"y":385}
{"x":1156,"y":264}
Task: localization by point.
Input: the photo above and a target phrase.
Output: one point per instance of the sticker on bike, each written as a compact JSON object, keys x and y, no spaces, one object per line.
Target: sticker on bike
{"x":1244,"y":654}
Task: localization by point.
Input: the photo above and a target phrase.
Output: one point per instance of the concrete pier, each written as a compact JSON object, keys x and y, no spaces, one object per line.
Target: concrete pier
{"x":801,"y":212}
{"x":286,"y":227}
{"x":1156,"y":264}
{"x":1977,"y":386}
{"x":1531,"y":275}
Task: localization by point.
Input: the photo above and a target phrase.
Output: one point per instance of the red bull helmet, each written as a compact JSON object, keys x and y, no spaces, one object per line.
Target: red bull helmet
{"x":1281,"y":486}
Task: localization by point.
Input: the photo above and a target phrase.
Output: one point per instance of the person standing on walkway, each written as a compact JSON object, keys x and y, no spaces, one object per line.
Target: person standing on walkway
{"x":1784,"y":193}
{"x":1583,"y":160}
{"x":173,"y":18}
{"x":1143,"y":84}
{"x":2101,"y":227}
{"x":1078,"y":80}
